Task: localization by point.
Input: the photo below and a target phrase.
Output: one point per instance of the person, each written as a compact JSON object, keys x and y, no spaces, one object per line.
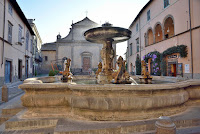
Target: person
{"x":90,"y":71}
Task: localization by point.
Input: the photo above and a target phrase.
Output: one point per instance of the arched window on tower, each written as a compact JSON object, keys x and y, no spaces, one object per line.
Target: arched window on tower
{"x":169,"y":28}
{"x":150,"y":36}
{"x":158,"y":33}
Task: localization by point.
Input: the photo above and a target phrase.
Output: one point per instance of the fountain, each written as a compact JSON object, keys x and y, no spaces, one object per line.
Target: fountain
{"x":107,"y":35}
{"x":45,"y":97}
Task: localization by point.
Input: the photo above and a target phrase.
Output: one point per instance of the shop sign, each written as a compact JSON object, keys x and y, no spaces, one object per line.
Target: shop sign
{"x":172,"y":56}
{"x":187,"y":68}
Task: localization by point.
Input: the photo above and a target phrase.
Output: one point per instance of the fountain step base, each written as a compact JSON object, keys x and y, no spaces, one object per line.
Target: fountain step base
{"x":127,"y":115}
{"x":188,"y":121}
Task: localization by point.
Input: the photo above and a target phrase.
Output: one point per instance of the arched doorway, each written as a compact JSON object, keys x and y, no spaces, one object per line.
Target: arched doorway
{"x":86,"y":61}
{"x":168,"y":27}
{"x":158,"y":33}
{"x":150,"y":36}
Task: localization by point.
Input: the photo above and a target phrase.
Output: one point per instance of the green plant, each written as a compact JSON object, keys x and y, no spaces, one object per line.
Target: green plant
{"x":35,"y":73}
{"x":51,"y":73}
{"x":163,"y":66}
{"x":138,"y":65}
{"x":155,"y":56}
{"x":56,"y":72}
{"x":181,"y":49}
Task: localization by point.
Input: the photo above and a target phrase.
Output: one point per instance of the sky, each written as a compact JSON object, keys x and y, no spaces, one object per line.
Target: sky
{"x":55,"y":16}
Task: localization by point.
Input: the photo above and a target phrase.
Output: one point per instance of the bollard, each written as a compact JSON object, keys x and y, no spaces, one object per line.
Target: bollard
{"x":5,"y":93}
{"x":165,"y":126}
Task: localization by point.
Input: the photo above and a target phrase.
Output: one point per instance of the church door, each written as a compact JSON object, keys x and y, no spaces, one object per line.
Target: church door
{"x":86,"y":63}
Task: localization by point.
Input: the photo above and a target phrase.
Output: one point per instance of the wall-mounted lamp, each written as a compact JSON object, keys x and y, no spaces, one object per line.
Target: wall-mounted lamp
{"x":158,"y":34}
{"x":168,"y":30}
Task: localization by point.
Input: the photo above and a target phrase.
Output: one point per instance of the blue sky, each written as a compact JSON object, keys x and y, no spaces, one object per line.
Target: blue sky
{"x":55,"y":16}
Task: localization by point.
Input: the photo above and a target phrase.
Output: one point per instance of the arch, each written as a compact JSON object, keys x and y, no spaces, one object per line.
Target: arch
{"x":158,"y":32}
{"x":168,"y":26}
{"x":86,"y":58}
{"x":150,"y":37}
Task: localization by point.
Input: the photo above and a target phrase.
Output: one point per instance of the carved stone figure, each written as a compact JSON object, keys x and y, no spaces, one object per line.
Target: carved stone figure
{"x":146,"y":78}
{"x":99,"y":69}
{"x":121,"y":76}
{"x":67,"y":75}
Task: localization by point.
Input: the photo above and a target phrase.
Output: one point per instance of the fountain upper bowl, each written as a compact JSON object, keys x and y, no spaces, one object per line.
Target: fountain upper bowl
{"x":103,"y":34}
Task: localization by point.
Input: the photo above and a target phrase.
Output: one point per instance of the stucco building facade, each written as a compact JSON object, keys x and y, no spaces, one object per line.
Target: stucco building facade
{"x":168,"y":29}
{"x":36,"y":52}
{"x":84,"y":55}
{"x":16,"y":38}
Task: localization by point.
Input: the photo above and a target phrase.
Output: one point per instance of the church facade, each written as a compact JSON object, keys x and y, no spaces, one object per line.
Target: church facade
{"x":84,"y":55}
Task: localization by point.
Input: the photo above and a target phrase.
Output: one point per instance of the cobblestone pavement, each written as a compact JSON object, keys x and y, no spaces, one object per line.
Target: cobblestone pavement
{"x":13,"y":90}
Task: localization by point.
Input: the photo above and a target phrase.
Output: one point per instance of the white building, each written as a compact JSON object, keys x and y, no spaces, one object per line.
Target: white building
{"x":16,"y":39}
{"x":84,"y":55}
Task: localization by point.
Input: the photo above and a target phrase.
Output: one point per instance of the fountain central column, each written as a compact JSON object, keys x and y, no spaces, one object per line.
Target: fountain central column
{"x":107,"y":55}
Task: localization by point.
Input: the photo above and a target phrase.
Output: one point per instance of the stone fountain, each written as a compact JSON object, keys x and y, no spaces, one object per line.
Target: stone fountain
{"x":47,"y":97}
{"x":107,"y":35}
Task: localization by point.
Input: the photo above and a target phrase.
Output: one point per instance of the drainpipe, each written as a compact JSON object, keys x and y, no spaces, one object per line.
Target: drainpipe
{"x":140,"y":41}
{"x":191,"y":38}
{"x":4,"y":18}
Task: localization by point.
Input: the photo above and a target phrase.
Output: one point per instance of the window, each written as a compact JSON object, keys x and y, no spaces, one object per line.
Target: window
{"x":46,"y":58}
{"x":148,"y":15}
{"x":166,"y":3}
{"x":10,"y":32}
{"x":131,"y":49}
{"x":137,"y":45}
{"x":27,"y":40}
{"x":31,"y":47}
{"x":10,"y":9}
{"x":137,"y":27}
{"x":20,"y":34}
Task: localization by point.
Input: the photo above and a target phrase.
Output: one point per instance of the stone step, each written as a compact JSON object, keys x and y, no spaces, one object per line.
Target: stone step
{"x":49,"y":130}
{"x":6,"y":114}
{"x":3,"y":119}
{"x":30,"y":124}
{"x":11,"y":112}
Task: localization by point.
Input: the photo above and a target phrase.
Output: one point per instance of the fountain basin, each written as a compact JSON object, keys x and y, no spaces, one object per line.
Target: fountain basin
{"x":108,"y":101}
{"x":102,"y":34}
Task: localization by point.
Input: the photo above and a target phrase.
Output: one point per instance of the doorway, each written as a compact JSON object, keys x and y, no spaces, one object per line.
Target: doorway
{"x":8,"y":71}
{"x":172,"y":69}
{"x":86,"y":63}
{"x":20,"y":69}
{"x":27,"y":68}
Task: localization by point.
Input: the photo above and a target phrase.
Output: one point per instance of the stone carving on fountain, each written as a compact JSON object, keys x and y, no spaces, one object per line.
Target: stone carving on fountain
{"x":107,"y":35}
{"x":146,"y":78}
{"x":67,"y":75}
{"x":121,"y":76}
{"x":99,"y":69}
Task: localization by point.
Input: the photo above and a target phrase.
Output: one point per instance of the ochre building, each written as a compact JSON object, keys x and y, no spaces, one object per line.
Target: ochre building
{"x":166,"y":34}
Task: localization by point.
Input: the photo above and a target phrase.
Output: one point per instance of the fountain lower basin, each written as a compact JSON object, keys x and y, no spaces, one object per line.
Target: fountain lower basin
{"x":107,"y":102}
